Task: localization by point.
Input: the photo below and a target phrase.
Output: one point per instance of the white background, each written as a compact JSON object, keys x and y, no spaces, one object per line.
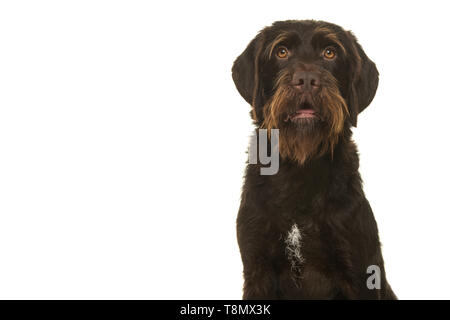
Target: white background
{"x":123,"y":139}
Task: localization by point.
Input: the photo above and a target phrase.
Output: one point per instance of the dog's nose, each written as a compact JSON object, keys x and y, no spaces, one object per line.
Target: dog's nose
{"x":306,"y":81}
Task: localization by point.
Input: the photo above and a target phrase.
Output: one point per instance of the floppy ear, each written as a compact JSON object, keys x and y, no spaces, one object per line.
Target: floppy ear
{"x":246,"y":74}
{"x":364,"y":81}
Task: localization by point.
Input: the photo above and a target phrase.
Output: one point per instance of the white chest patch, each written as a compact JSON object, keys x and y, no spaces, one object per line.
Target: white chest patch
{"x":293,"y":243}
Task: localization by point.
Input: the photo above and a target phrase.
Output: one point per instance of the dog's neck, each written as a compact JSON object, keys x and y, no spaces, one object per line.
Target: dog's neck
{"x":339,"y":164}
{"x":302,"y":184}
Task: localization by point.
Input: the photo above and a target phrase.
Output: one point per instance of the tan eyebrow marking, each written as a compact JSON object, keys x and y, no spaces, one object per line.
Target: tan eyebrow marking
{"x":280,"y":38}
{"x":329,"y":34}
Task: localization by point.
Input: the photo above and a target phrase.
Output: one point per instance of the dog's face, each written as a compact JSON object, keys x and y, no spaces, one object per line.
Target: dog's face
{"x":309,"y":79}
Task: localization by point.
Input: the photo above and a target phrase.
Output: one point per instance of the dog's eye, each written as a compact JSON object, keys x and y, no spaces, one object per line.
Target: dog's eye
{"x":282,"y":52}
{"x":329,"y":53}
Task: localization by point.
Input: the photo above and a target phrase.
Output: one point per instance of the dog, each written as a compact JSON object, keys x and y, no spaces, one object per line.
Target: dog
{"x":308,"y":231}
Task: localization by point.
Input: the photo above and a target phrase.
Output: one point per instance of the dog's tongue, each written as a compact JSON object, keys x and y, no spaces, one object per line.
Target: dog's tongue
{"x":304,"y":113}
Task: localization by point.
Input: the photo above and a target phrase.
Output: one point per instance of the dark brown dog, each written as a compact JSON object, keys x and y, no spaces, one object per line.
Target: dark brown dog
{"x":308,"y":231}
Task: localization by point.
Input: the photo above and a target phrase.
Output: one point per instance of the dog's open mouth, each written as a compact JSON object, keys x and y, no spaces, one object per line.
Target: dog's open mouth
{"x":304,"y":112}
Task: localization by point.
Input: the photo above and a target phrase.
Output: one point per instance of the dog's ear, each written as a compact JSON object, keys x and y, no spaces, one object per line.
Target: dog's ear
{"x":245,"y":73}
{"x":364,"y":81}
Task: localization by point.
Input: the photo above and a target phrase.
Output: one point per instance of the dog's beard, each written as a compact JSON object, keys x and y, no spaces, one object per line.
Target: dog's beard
{"x":303,"y":138}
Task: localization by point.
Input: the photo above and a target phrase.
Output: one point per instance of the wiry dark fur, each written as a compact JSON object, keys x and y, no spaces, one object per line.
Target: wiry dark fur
{"x":317,"y":188}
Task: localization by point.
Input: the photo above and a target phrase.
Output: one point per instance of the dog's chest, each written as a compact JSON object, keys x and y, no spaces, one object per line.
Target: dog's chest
{"x":298,"y":207}
{"x":307,"y":270}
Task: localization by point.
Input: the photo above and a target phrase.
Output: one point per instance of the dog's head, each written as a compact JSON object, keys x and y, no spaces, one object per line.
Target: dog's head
{"x":309,"y":79}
